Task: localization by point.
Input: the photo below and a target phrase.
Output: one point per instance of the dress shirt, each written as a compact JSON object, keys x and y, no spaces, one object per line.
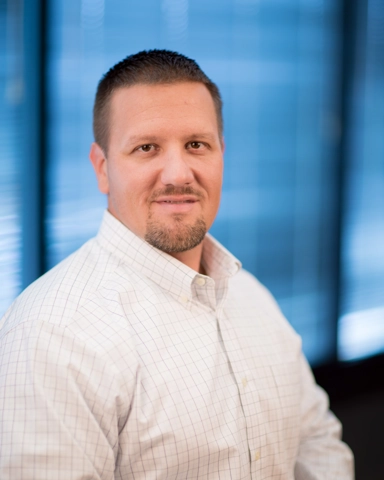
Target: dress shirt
{"x":123,"y":363}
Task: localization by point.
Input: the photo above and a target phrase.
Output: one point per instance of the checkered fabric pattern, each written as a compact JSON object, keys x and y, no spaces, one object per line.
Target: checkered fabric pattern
{"x":123,"y":363}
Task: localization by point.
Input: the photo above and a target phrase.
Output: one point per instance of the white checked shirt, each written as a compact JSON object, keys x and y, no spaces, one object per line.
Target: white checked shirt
{"x":123,"y":363}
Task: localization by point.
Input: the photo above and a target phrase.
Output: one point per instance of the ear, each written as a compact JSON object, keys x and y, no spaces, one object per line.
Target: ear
{"x":99,"y":162}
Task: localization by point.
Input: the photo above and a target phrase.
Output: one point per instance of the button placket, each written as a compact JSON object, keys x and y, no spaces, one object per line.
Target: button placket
{"x":204,"y":290}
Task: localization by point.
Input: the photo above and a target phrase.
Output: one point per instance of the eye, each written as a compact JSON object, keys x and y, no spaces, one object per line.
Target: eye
{"x":146,"y":148}
{"x":196,"y":145}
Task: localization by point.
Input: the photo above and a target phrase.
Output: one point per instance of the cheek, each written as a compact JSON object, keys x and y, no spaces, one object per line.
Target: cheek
{"x":122,"y":193}
{"x":125,"y":183}
{"x":214,"y":184}
{"x":216,"y":181}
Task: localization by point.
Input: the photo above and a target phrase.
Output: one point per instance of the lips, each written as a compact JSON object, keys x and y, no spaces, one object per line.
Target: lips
{"x":176,"y":204}
{"x":176,"y":200}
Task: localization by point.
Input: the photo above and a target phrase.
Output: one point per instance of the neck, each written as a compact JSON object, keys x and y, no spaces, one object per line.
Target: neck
{"x":191,"y":258}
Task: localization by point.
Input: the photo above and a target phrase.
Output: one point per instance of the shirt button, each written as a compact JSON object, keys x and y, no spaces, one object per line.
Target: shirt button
{"x":200,"y":281}
{"x":184,"y":299}
{"x":257,"y":456}
{"x":244,"y":381}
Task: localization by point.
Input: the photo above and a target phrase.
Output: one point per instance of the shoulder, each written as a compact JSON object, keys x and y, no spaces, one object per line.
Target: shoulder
{"x":66,"y":310}
{"x":247,"y":288}
{"x":259,"y":311}
{"x":245,"y":282}
{"x":61,"y":294}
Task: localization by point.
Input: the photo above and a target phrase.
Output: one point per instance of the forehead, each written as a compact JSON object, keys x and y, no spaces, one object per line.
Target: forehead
{"x":188,"y":103}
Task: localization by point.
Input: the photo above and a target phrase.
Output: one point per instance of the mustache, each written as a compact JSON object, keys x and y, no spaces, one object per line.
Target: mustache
{"x":171,"y":190}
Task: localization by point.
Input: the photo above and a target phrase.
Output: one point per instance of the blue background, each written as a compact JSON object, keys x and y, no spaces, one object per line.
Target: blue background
{"x":306,"y":220}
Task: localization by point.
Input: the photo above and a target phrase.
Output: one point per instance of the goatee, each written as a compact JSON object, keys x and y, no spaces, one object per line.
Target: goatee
{"x":178,"y":238}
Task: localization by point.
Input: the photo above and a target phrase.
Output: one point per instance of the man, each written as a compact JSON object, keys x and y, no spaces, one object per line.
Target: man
{"x":149,"y":353}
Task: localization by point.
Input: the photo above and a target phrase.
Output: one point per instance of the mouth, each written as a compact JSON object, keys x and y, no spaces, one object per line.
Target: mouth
{"x":176,"y":199}
{"x":177,"y":204}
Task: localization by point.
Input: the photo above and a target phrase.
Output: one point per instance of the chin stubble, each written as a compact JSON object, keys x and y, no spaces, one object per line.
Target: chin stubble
{"x":178,"y":238}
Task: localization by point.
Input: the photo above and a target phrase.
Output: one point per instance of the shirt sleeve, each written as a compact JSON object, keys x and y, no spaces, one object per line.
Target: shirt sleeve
{"x":62,"y":405}
{"x":322,"y":455}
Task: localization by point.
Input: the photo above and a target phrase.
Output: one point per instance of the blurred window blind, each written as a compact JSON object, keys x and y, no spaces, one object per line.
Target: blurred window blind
{"x":361,"y":326}
{"x":11,"y":122}
{"x":276,"y":64}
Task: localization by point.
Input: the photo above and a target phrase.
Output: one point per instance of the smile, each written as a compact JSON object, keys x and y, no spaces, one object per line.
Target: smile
{"x":178,"y":204}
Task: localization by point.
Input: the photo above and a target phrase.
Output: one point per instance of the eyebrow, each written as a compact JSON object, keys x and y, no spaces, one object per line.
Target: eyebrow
{"x":202,"y":136}
{"x":153,"y":138}
{"x":143,"y":139}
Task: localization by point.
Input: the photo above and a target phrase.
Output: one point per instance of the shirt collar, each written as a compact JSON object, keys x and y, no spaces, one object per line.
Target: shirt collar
{"x":158,"y":266}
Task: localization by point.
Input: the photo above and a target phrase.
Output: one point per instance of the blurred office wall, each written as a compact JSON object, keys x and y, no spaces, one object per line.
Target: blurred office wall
{"x":303,"y":199}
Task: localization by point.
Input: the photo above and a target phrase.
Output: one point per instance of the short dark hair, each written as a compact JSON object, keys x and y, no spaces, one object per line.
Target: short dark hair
{"x":148,"y":67}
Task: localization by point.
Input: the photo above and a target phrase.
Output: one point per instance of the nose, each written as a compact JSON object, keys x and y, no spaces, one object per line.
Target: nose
{"x":176,"y":169}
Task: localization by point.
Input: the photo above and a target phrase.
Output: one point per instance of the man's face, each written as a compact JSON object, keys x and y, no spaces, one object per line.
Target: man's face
{"x":163,"y":172}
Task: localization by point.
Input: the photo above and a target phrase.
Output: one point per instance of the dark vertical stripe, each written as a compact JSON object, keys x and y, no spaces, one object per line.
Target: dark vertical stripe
{"x":34,"y":151}
{"x":353,"y":23}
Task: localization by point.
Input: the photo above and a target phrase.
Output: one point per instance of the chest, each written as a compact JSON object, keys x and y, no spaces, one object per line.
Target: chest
{"x":212,"y":392}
